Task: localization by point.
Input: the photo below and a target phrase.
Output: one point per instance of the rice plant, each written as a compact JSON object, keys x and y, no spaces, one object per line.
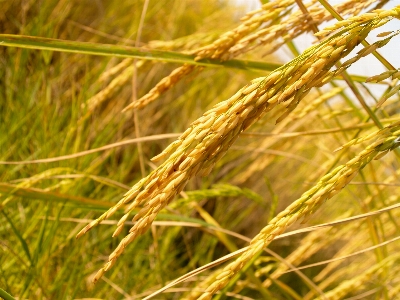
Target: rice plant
{"x":192,"y":150}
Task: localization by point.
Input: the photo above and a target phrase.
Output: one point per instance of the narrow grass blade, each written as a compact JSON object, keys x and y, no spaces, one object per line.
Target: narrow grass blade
{"x":49,"y":196}
{"x":40,"y":43}
{"x":20,"y":238}
{"x":5,"y":295}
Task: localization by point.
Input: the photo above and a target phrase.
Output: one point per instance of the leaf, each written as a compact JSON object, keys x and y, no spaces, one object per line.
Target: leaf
{"x":49,"y":196}
{"x":5,"y":295}
{"x":20,"y":237}
{"x":40,"y":43}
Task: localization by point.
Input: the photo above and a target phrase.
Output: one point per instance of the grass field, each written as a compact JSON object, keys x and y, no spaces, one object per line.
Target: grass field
{"x":193,"y":150}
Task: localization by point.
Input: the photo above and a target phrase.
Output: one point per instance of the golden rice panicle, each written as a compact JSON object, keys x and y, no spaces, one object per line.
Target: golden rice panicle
{"x":328,"y":186}
{"x":111,"y":88}
{"x":392,"y":91}
{"x":186,"y":43}
{"x":381,"y":15}
{"x":258,"y":164}
{"x":368,"y":50}
{"x":216,"y":50}
{"x":195,"y":152}
{"x":208,"y":138}
{"x":353,"y":39}
{"x":125,"y":63}
{"x":233,"y":43}
{"x":165,"y":84}
{"x":383,"y":132}
{"x":292,"y":26}
{"x":318,"y":60}
{"x":125,"y":68}
{"x":196,"y":292}
{"x":252,"y":21}
{"x":395,"y":74}
{"x":128,"y":197}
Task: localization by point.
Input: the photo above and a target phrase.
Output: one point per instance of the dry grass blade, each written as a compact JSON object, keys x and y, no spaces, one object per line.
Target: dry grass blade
{"x":175,"y":135}
{"x":364,"y":278}
{"x":346,"y":256}
{"x":103,"y":148}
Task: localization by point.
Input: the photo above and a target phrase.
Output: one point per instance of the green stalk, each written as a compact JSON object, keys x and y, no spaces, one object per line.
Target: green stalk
{"x":40,"y":43}
{"x":35,"y":193}
{"x":5,"y":295}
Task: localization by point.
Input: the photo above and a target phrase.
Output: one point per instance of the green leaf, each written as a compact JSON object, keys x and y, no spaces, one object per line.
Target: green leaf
{"x":40,"y":43}
{"x":5,"y":295}
{"x":39,"y":194}
{"x":20,"y":237}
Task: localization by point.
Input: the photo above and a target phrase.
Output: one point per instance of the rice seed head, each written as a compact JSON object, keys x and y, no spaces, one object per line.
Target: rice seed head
{"x":308,"y":203}
{"x":165,"y":84}
{"x":224,"y":126}
{"x":112,"y":87}
{"x":219,"y":49}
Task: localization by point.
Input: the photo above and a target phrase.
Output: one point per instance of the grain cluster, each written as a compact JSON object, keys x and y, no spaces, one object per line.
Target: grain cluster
{"x":208,"y":138}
